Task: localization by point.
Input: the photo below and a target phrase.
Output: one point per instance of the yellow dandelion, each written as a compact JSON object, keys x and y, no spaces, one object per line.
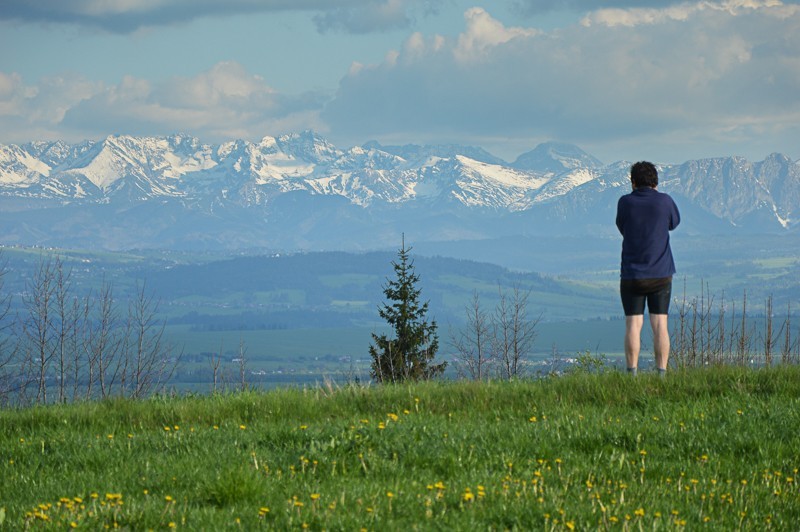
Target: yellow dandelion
{"x":242,"y":427}
{"x":314,"y":496}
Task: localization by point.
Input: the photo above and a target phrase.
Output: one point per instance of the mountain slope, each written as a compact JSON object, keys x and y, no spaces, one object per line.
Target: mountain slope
{"x":300,"y":191}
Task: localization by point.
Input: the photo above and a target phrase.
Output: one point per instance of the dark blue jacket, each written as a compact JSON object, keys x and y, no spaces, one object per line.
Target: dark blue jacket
{"x":644,"y":218}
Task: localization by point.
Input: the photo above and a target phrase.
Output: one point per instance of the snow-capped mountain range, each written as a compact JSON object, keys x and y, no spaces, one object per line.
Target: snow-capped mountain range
{"x":299,"y":190}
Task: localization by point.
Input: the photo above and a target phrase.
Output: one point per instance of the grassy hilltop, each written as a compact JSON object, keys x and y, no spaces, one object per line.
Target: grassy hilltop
{"x":716,"y":449}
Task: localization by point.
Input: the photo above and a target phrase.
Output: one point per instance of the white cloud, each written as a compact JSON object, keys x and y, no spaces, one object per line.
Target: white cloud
{"x":484,"y":33}
{"x":34,"y":112}
{"x":723,"y":76}
{"x":222,"y":103}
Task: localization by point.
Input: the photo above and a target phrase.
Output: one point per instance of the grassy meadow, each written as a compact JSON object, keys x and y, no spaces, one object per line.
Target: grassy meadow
{"x":712,"y":449}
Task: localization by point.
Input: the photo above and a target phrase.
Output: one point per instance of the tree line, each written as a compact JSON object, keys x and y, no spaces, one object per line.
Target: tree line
{"x":58,"y":346}
{"x":495,"y":344}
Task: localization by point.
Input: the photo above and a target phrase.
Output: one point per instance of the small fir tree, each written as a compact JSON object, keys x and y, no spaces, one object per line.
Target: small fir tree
{"x":409,"y":355}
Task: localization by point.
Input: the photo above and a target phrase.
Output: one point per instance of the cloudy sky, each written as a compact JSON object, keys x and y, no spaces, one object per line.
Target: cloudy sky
{"x":662,"y":80}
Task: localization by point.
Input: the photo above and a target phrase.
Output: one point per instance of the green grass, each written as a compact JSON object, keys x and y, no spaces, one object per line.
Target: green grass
{"x":713,"y":449}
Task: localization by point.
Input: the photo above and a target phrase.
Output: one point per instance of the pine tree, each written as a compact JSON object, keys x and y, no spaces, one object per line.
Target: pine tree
{"x":409,"y":355}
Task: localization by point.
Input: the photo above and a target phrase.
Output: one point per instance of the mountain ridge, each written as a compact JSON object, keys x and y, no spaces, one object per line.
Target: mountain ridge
{"x":368,"y":192}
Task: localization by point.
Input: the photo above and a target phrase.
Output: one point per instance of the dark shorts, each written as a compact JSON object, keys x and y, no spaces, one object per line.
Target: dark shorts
{"x":635,"y":292}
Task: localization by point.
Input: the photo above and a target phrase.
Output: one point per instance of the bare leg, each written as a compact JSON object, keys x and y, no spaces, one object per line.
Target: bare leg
{"x":633,"y":339}
{"x":660,"y":339}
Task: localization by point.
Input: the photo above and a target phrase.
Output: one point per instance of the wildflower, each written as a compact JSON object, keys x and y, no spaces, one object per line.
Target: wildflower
{"x":242,"y":427}
{"x":639,"y":512}
{"x":393,"y":417}
{"x":389,"y":494}
{"x":303,"y":427}
{"x":169,"y":498}
{"x":314,"y":496}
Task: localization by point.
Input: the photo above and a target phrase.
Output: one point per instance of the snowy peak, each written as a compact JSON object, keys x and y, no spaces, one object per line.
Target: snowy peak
{"x":417,"y":154}
{"x":308,"y":146}
{"x":555,"y":158}
{"x":244,"y":174}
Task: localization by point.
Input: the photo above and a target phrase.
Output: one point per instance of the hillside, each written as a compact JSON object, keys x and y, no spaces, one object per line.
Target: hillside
{"x":706,"y":448}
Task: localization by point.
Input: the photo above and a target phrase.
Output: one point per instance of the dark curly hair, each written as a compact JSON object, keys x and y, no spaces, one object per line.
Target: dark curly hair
{"x":644,"y":174}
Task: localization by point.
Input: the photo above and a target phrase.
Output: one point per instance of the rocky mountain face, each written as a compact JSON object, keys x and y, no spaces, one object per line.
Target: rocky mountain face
{"x":299,"y":191}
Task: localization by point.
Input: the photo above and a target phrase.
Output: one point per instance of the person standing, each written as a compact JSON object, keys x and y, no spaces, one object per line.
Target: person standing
{"x":645,"y":217}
